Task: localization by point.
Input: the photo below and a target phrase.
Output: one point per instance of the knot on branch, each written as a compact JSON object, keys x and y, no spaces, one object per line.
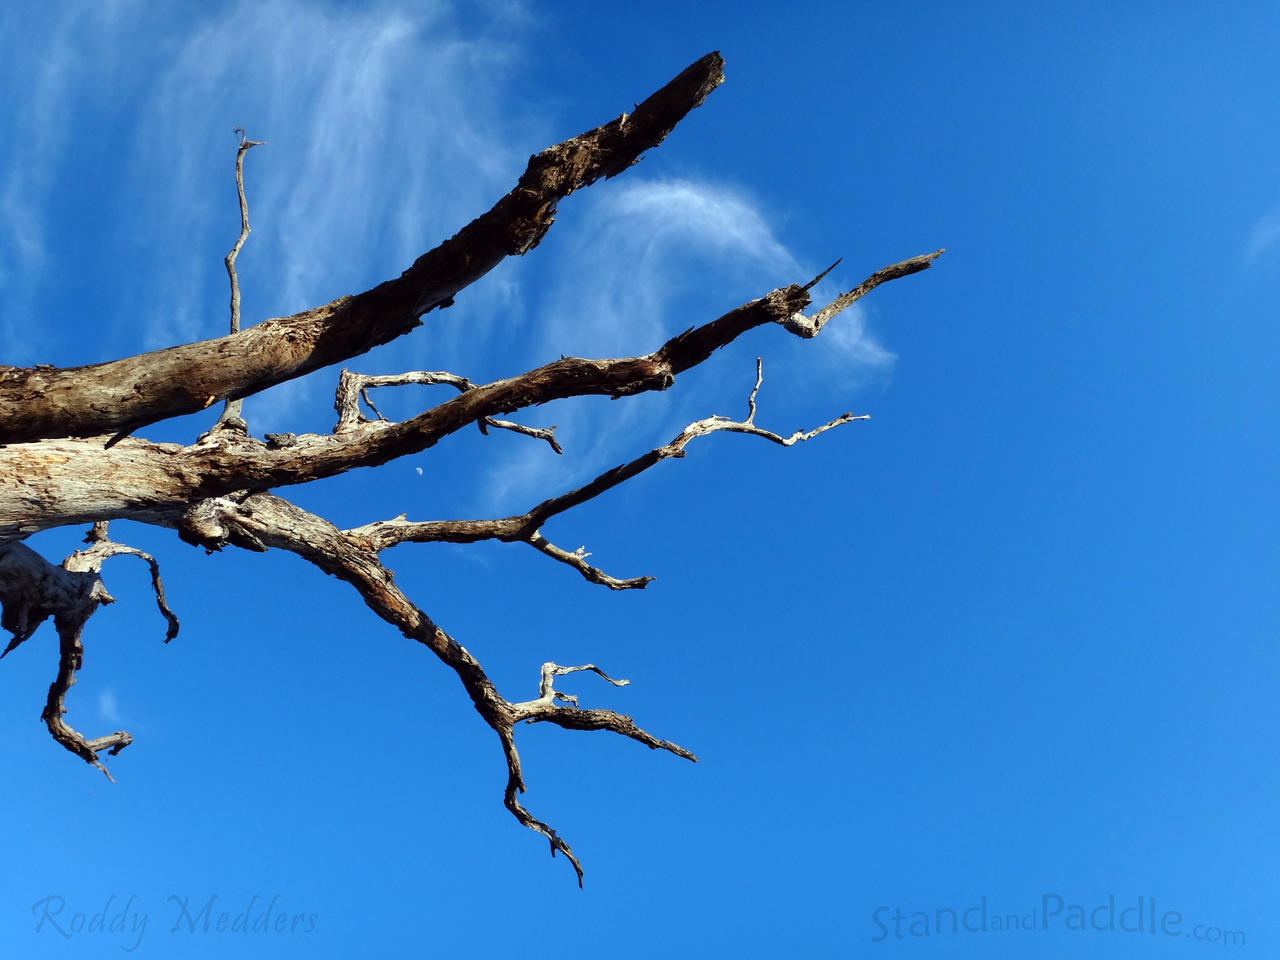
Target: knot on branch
{"x":216,"y":522}
{"x":280,"y":441}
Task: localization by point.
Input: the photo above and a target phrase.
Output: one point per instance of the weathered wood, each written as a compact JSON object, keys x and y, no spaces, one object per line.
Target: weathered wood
{"x":56,"y":482}
{"x":66,"y":456}
{"x":125,"y":395}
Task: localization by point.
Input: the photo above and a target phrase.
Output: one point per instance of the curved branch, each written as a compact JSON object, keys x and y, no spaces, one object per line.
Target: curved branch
{"x":32,"y":589}
{"x":578,"y":560}
{"x":274,"y":522}
{"x":230,"y":260}
{"x":511,"y":798}
{"x":232,"y":408}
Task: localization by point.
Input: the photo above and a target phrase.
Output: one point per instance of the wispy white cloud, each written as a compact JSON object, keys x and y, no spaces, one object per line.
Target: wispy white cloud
{"x":389,"y":126}
{"x":108,"y":706}
{"x":1264,"y":236}
{"x":388,"y":129}
{"x":40,"y":59}
{"x":634,"y":272}
{"x":850,"y":340}
{"x":384,"y":135}
{"x":643,"y":249}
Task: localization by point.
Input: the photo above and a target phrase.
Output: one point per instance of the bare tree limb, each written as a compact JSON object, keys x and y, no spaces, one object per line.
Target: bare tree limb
{"x":231,"y":411}
{"x":354,"y":387}
{"x":545,"y":709}
{"x":55,"y":468}
{"x":578,"y":560}
{"x":547,"y":695}
{"x":538,"y":433}
{"x":124,"y":395}
{"x":32,"y":590}
{"x":267,"y":519}
{"x":511,"y":798}
{"x":525,"y":527}
{"x":152,"y":482}
{"x":807,"y":327}
{"x":104,"y":548}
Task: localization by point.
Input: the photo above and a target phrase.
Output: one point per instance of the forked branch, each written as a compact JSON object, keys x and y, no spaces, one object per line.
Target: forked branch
{"x":526,"y":527}
{"x":273,"y":522}
{"x":56,"y":470}
{"x":219,"y":467}
{"x":354,"y":388}
{"x":33,"y":590}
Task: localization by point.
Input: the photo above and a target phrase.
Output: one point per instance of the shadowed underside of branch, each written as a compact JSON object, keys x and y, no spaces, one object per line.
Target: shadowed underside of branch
{"x":66,"y":457}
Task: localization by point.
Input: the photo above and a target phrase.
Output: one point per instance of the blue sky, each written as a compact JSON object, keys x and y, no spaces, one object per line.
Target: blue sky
{"x":1012,"y":639}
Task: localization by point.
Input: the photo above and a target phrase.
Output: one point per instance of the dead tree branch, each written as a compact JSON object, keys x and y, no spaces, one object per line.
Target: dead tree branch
{"x":55,"y":468}
{"x":153,"y":482}
{"x":526,"y":527}
{"x":231,"y":410}
{"x":127,"y":394}
{"x":267,"y":519}
{"x":354,"y":387}
{"x":32,"y":590}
